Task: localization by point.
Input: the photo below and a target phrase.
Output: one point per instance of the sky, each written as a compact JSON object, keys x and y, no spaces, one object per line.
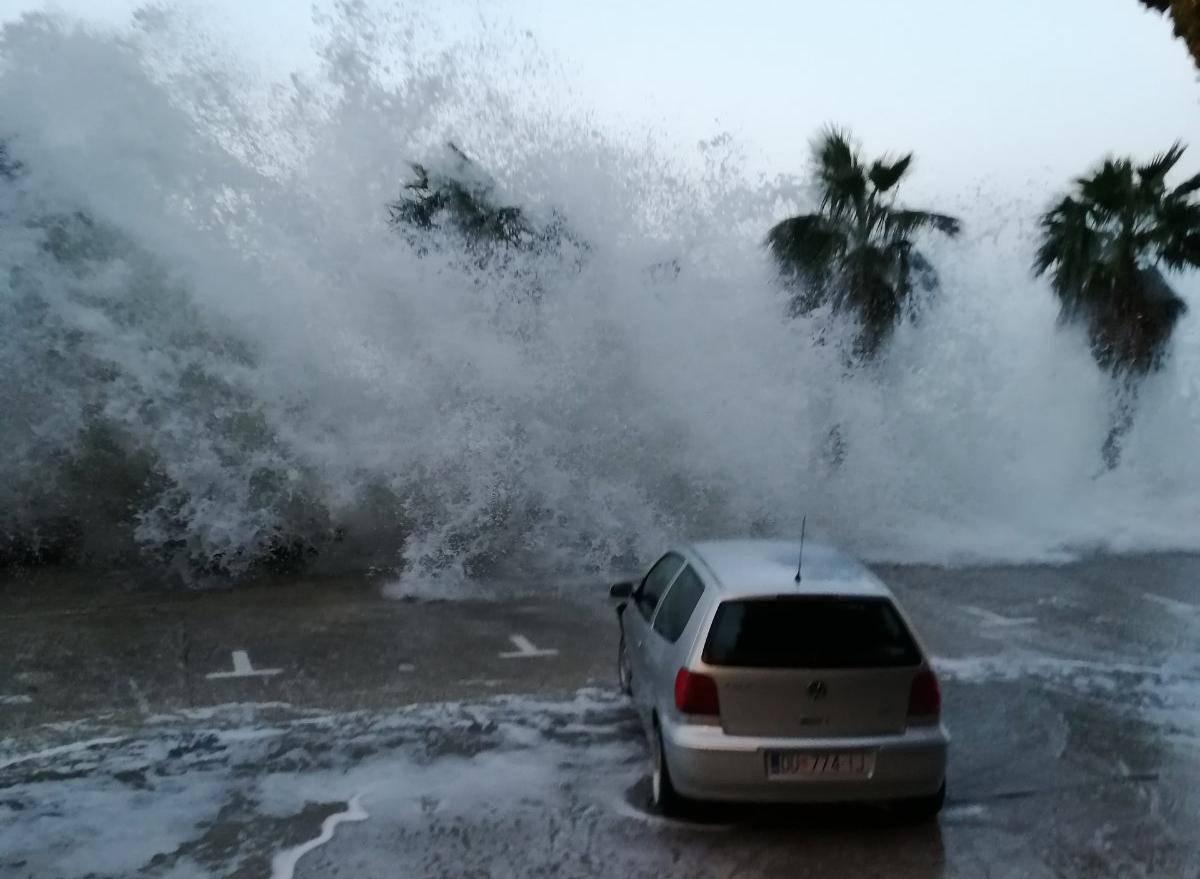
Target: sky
{"x":1015,"y":86}
{"x":1016,"y":91}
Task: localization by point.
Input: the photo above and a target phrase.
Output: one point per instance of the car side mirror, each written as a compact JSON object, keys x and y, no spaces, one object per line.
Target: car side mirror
{"x":621,"y":591}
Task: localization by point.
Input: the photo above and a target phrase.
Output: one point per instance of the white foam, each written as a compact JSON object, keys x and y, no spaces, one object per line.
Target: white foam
{"x":362,"y":760}
{"x":283,"y":865}
{"x":1012,"y":666}
{"x":61,"y":750}
{"x":1167,"y":694}
{"x":1179,"y":608}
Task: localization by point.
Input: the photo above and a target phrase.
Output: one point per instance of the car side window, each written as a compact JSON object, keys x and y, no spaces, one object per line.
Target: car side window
{"x":679,"y":605}
{"x":656,"y":583}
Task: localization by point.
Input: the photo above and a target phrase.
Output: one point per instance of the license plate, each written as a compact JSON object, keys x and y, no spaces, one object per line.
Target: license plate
{"x":825,"y":765}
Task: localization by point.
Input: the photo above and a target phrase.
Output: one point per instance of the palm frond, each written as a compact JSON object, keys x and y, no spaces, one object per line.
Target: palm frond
{"x":807,"y":245}
{"x":1187,"y":187}
{"x":1158,"y":167}
{"x":1109,"y":189}
{"x":884,"y":175}
{"x":1175,"y":218}
{"x":1182,"y":252}
{"x":420,"y":179}
{"x":905,"y":222}
{"x":834,"y":149}
{"x":458,"y":153}
{"x":1068,"y":249}
{"x":459,"y":196}
{"x":870,"y":289}
{"x":840,"y":174}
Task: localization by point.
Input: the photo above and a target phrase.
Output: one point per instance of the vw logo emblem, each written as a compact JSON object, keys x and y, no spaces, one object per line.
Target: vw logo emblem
{"x":817,"y":690}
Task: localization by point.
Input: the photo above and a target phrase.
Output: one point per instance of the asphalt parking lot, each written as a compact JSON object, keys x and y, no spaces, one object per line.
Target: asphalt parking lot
{"x":322,"y":728}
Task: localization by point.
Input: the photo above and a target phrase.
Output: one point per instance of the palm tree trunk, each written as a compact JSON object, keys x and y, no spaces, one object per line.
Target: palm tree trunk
{"x":1122,"y":409}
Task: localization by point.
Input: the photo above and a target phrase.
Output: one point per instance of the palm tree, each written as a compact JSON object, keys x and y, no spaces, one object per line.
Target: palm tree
{"x":1102,"y":247}
{"x":461,"y":196}
{"x":856,"y":253}
{"x":1186,"y":14}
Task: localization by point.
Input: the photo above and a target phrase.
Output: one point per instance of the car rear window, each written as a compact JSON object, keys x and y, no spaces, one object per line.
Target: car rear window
{"x":806,"y":631}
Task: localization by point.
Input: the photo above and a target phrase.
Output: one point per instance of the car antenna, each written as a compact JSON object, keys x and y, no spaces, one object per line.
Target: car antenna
{"x":800,"y":564}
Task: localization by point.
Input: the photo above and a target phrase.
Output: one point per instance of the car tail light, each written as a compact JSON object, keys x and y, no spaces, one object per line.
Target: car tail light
{"x":696,"y":693}
{"x":925,"y":697}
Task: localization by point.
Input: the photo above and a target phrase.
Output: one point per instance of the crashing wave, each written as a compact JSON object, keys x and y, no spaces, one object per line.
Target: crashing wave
{"x":221,"y":356}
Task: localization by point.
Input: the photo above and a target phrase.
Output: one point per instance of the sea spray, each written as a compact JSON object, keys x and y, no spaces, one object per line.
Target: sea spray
{"x":219,"y":355}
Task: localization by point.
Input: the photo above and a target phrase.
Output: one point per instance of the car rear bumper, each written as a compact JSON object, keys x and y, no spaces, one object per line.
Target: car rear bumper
{"x":707,"y":764}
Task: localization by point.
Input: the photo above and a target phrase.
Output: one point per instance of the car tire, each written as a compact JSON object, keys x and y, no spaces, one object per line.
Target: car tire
{"x":922,"y":809}
{"x":664,"y":799}
{"x":624,"y":668}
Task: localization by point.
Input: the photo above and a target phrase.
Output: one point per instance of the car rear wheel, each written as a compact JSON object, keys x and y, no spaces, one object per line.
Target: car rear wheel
{"x":663,"y":797}
{"x":920,"y":809}
{"x":624,"y":668}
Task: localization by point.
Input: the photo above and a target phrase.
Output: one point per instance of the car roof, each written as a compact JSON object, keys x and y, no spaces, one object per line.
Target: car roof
{"x":768,"y":567}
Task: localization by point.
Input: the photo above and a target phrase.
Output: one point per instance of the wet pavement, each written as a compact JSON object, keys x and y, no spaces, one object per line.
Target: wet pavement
{"x":325,"y":729}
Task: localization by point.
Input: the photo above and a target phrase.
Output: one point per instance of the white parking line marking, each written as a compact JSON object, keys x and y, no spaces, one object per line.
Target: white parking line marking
{"x":406,"y":666}
{"x":995,"y":619}
{"x":243,"y":669}
{"x":15,"y":700}
{"x":525,"y":649}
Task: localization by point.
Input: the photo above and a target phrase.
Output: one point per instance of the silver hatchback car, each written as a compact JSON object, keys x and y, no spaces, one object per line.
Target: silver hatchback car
{"x":756,"y":686}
